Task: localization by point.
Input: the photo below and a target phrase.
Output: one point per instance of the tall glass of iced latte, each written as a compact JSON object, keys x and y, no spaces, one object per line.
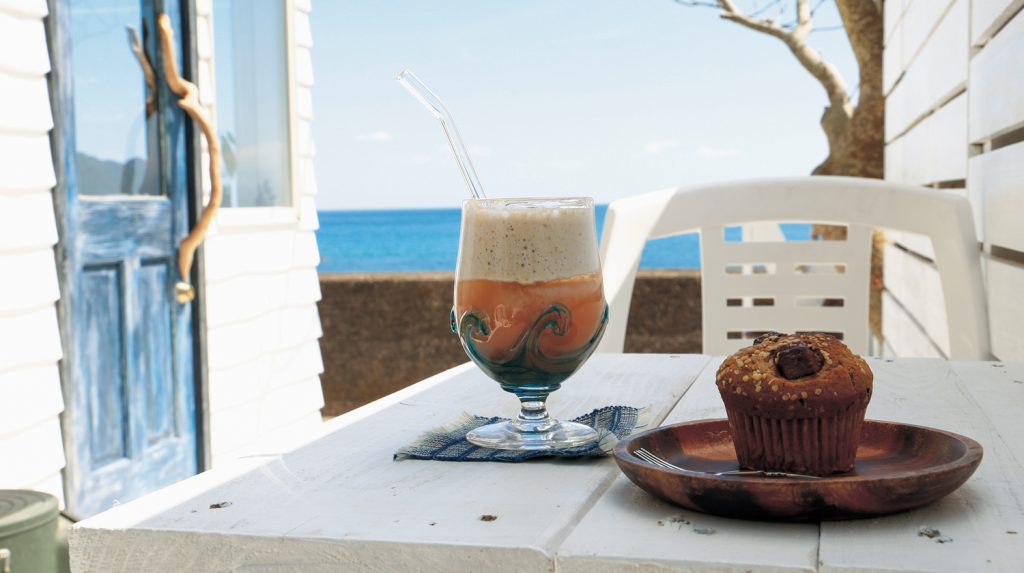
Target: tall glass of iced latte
{"x":529,"y":308}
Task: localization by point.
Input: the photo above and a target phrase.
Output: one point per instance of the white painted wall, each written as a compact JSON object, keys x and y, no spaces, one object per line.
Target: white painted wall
{"x":261,"y":284}
{"x":31,"y":451}
{"x":954,"y":86}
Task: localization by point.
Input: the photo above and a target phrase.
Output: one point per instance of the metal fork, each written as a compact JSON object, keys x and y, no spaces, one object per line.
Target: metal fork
{"x":657,"y":460}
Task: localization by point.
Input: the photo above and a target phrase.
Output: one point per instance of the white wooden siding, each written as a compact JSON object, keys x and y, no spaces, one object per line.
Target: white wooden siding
{"x":302,"y":31}
{"x":263,"y":327}
{"x":26,"y":220}
{"x":919,"y":244}
{"x":30,"y":391}
{"x":32,"y":111}
{"x":997,"y":187}
{"x":935,"y":150}
{"x":17,"y":293}
{"x":30,"y":429}
{"x":249,"y":297}
{"x":935,"y":50}
{"x":997,"y":83}
{"x":276,"y":408}
{"x":926,"y":130}
{"x":987,"y":16}
{"x":23,"y":50}
{"x":918,"y":288}
{"x":25,"y":161}
{"x":917,"y":24}
{"x":281,"y":329}
{"x":38,"y":451}
{"x":938,"y":72}
{"x":304,"y":104}
{"x":29,"y":337}
{"x":926,"y":135}
{"x":25,"y":8}
{"x":1006,"y":309}
{"x":892,"y":57}
{"x":894,"y":160}
{"x":258,"y":249}
{"x":39,"y":386}
{"x":903,"y":335}
{"x":238,"y":384}
{"x":303,"y":67}
{"x":892,"y":10}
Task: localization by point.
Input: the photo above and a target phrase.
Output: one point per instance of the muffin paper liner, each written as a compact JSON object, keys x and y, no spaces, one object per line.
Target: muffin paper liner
{"x":815,"y":446}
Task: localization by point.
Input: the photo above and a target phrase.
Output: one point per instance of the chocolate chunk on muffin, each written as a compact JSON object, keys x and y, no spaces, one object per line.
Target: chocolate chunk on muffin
{"x":795,"y":403}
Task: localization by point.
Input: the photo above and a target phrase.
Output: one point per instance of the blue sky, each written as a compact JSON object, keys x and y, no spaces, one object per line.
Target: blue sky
{"x":605,"y":98}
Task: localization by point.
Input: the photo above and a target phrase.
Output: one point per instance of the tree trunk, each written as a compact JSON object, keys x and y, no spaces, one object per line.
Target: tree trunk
{"x":857,"y":145}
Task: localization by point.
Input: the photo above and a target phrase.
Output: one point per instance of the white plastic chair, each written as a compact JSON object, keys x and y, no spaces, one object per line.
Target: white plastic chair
{"x":750,"y":287}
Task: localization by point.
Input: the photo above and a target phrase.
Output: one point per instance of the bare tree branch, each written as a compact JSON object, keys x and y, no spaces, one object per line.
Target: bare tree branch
{"x":803,"y":13}
{"x":692,"y":3}
{"x":770,"y":27}
{"x":796,"y":40}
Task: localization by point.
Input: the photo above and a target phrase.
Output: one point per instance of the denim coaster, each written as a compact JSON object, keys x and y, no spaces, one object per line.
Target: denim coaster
{"x":448,"y":443}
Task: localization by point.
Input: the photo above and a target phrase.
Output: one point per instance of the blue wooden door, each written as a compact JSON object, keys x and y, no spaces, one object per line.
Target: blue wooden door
{"x":131,"y":415}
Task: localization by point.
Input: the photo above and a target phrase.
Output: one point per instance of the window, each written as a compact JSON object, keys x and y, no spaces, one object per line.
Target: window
{"x":251,"y":65}
{"x":117,"y":119}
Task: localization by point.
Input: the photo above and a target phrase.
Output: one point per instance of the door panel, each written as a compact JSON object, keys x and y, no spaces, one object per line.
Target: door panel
{"x":156,"y":349}
{"x":103,"y":374}
{"x":132,"y":413}
{"x":109,"y":229}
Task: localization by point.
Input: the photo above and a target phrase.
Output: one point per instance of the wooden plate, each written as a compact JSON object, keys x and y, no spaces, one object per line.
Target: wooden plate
{"x":898,"y":467}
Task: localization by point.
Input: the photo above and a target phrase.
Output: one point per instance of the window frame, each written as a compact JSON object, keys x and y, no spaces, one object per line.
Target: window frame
{"x":269,"y":215}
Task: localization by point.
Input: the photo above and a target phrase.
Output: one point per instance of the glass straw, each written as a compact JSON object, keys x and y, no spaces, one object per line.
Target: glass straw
{"x":420,"y":91}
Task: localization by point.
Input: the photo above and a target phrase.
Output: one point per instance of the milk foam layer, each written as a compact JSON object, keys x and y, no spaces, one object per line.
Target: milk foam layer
{"x":527,"y":240}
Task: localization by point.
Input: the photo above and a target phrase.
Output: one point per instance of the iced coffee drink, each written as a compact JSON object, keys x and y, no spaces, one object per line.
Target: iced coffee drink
{"x":529,"y":303}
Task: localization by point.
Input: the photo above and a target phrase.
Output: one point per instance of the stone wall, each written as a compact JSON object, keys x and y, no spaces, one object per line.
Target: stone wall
{"x":384,"y":331}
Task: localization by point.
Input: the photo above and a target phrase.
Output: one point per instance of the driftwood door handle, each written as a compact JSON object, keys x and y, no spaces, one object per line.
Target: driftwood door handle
{"x":189,"y":102}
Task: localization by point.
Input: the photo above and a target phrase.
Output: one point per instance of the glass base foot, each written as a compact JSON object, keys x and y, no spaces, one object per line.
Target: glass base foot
{"x":505,"y":436}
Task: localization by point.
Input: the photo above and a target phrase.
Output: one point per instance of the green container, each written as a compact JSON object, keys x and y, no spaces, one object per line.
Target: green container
{"x":28,"y":528}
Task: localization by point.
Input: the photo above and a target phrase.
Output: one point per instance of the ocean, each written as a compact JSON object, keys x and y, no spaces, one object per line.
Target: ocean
{"x":428,"y":240}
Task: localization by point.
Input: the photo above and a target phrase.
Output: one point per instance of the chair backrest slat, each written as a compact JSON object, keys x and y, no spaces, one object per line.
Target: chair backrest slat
{"x":761,"y":285}
{"x":752,"y":287}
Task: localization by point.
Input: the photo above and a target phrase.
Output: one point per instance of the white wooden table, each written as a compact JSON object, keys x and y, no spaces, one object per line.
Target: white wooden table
{"x":339,"y":502}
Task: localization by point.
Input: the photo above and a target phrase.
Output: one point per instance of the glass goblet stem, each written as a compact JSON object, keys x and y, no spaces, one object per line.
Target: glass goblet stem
{"x":533,"y":417}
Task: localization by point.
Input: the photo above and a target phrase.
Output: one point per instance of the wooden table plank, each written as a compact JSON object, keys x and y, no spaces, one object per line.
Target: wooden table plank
{"x":979,"y":400}
{"x":629,"y":529}
{"x":340,"y":502}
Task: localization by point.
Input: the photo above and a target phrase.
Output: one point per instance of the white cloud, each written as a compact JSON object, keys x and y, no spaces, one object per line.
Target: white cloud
{"x":375,"y":136}
{"x":421,"y":158}
{"x":659,"y":147}
{"x":712,"y":152}
{"x":475,"y":150}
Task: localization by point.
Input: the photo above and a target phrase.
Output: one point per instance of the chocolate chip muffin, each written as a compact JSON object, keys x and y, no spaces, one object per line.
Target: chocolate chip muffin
{"x":796,"y":403}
